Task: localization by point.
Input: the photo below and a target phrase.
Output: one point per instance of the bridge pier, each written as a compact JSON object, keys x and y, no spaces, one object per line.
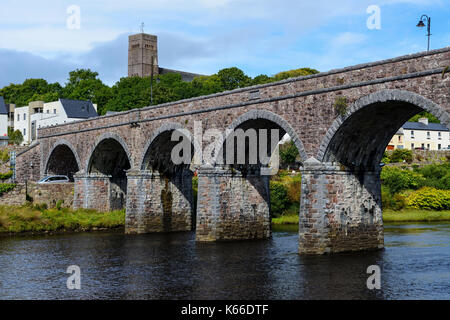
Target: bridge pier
{"x":92,"y":191}
{"x":339,"y":210}
{"x":232,"y":205}
{"x":156,"y":203}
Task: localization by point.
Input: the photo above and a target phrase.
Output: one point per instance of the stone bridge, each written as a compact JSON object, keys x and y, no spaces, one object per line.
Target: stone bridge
{"x":123,"y":160}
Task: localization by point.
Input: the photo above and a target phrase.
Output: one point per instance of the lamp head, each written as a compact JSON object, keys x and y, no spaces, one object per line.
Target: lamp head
{"x":421,"y":24}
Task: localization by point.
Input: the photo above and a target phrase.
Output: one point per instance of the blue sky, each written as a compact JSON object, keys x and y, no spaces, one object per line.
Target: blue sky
{"x":204,"y":36}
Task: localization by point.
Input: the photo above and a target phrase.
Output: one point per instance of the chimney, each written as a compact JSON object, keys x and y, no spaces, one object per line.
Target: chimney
{"x":424,"y":121}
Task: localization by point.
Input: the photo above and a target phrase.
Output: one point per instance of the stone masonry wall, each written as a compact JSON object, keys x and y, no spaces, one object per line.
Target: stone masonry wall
{"x":339,"y":210}
{"x":231,"y":206}
{"x":158,"y":204}
{"x":28,"y":164}
{"x":39,"y":194}
{"x":92,"y":192}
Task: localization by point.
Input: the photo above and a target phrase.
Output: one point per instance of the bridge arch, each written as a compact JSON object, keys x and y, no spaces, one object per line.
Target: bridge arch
{"x":110,"y":159}
{"x":62,"y":159}
{"x":270,"y":119}
{"x":358,"y":139}
{"x":164,"y":132}
{"x":101,"y":140}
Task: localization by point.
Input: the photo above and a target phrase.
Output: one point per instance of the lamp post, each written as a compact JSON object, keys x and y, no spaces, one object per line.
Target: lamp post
{"x":425,"y":21}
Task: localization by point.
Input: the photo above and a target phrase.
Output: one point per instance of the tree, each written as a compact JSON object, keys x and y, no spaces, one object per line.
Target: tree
{"x":232,"y":78}
{"x":294,"y":73}
{"x":288,"y":153}
{"x":83,"y":84}
{"x":431,"y":118}
{"x":15,"y":137}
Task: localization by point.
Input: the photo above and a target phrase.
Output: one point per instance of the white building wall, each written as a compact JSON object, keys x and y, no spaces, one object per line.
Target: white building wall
{"x":3,"y":125}
{"x":22,"y":123}
{"x":430,"y":140}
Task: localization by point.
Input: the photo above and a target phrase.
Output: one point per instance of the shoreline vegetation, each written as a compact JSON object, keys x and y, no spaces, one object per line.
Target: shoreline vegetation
{"x":40,"y":220}
{"x":406,"y":215}
{"x":29,"y":219}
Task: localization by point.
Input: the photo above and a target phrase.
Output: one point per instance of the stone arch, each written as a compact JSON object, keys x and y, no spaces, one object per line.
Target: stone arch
{"x":269,"y":116}
{"x":402,"y":103}
{"x":57,"y":147}
{"x":100,"y":139}
{"x":166,"y":127}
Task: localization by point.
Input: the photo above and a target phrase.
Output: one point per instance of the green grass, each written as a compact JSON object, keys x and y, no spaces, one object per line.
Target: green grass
{"x":286,"y":219}
{"x":35,"y":219}
{"x":406,"y":215}
{"x":415,"y":215}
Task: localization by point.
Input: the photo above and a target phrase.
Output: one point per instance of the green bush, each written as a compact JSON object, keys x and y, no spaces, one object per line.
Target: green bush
{"x":5,"y":187}
{"x":279,"y":200}
{"x":6,"y":175}
{"x":430,"y":199}
{"x":397,"y":179}
{"x":392,"y":201}
{"x":398,"y":155}
{"x":436,"y":175}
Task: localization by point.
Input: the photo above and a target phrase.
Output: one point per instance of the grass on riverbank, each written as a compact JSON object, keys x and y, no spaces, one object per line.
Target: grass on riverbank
{"x":407,"y":215}
{"x":415,"y":215}
{"x":34,"y":219}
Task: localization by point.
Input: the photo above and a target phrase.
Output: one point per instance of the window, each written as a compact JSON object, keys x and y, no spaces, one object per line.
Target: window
{"x":423,"y":145}
{"x":48,"y":111}
{"x":54,"y":111}
{"x":412,"y":134}
{"x":399,"y":138}
{"x":428,"y":146}
{"x":18,"y":117}
{"x":24,"y":116}
{"x":439,"y":136}
{"x":412,"y":146}
{"x":24,"y":132}
{"x":428,"y":134}
{"x":439,"y":146}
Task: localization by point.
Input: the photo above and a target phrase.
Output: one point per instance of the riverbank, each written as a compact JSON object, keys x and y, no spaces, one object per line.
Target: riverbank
{"x":35,"y":219}
{"x":407,"y":215}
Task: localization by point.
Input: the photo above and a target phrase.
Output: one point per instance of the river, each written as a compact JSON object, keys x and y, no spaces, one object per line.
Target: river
{"x":415,"y":264}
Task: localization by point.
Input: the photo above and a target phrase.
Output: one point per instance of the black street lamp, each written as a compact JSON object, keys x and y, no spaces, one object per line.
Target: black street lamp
{"x":425,"y":21}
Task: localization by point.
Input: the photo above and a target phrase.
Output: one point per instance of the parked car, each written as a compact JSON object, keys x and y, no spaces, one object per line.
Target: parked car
{"x":54,"y":179}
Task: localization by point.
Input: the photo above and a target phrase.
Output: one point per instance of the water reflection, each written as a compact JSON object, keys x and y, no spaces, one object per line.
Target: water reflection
{"x":415,"y":264}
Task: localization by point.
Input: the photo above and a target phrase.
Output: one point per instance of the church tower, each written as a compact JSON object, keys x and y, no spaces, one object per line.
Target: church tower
{"x":142,"y":55}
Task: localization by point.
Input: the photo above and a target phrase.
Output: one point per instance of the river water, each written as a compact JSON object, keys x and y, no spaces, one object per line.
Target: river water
{"x":414,"y":265}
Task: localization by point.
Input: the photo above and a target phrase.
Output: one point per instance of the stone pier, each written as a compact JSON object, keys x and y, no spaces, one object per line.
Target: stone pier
{"x":156,"y":203}
{"x":92,"y":191}
{"x":232,"y":205}
{"x":339,"y":210}
{"x":99,"y":192}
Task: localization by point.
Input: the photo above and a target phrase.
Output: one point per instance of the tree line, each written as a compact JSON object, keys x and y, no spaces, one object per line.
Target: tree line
{"x":134,"y":92}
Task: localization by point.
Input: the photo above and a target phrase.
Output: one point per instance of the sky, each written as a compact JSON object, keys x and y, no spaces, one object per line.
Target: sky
{"x":47,"y":39}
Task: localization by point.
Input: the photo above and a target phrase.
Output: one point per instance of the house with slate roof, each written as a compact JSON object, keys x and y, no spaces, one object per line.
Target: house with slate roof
{"x":38,"y":114}
{"x":421,"y":135}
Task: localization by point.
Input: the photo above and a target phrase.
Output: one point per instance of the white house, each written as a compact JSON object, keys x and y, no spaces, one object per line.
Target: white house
{"x":39,"y":114}
{"x":421,"y":135}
